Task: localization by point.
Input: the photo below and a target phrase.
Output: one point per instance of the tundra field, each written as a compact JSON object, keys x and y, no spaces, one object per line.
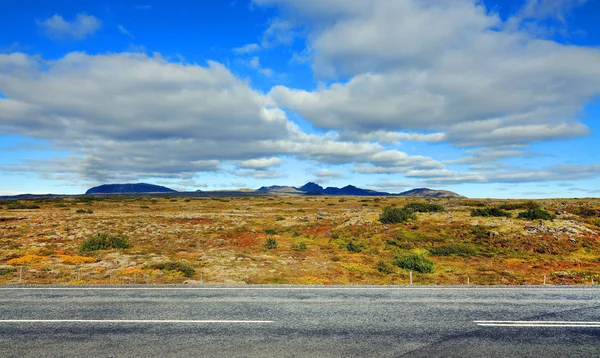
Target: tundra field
{"x":298,"y":240}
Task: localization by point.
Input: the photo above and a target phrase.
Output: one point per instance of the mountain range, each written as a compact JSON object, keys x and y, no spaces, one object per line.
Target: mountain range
{"x":306,"y":189}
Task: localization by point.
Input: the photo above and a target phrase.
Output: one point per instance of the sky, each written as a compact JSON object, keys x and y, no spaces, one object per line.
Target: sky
{"x":490,"y":99}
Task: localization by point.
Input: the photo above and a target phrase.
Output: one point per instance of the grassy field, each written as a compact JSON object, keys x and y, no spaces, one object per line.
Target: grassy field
{"x":295,"y":240}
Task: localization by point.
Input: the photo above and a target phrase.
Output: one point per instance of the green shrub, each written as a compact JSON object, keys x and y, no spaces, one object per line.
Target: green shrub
{"x":270,"y":231}
{"x":415,"y":262}
{"x":424,"y":208}
{"x":458,"y":250}
{"x":182,"y":267}
{"x":279,"y":218}
{"x":6,"y":271}
{"x":103,"y":241}
{"x":515,"y":206}
{"x":354,"y":247}
{"x":480,"y":232}
{"x":299,"y":246}
{"x":392,"y":215}
{"x":270,"y":244}
{"x":17,"y":205}
{"x":490,"y":212}
{"x":384,"y":267}
{"x":84,"y":211}
{"x":536,"y":214}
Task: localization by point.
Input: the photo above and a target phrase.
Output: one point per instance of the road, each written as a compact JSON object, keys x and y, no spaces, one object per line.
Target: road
{"x":296,"y":321}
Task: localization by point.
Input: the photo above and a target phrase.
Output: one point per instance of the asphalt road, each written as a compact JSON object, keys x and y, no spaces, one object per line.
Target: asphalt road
{"x":292,"y":321}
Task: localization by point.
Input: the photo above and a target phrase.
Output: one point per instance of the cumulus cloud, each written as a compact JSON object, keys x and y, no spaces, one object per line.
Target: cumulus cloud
{"x":132,"y":112}
{"x":131,"y":115}
{"x":260,"y":163}
{"x":327,"y":174}
{"x":393,"y":137}
{"x":534,"y":10}
{"x":556,"y":173}
{"x":492,"y":155}
{"x":464,"y":77}
{"x":56,"y":27}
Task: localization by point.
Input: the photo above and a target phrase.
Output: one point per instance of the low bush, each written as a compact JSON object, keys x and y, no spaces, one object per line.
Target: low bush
{"x":424,"y":208}
{"x":523,"y":205}
{"x":384,"y":267}
{"x":393,"y":215}
{"x":457,"y":250}
{"x":354,"y":247}
{"x":179,"y":266}
{"x":415,"y":262}
{"x":84,"y":211}
{"x":75,"y":260}
{"x":270,"y":231}
{"x":102,"y":241}
{"x":490,"y":212}
{"x":536,"y":214}
{"x":270,"y":244}
{"x":6,"y":271}
{"x":17,"y":205}
{"x":28,"y":259}
{"x":299,"y":246}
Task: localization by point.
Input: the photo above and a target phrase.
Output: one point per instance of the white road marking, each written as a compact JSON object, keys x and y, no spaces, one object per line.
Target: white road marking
{"x":537,"y":324}
{"x":123,"y":321}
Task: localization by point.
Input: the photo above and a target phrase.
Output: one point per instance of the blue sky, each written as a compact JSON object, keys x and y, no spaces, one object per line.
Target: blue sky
{"x":485,"y":98}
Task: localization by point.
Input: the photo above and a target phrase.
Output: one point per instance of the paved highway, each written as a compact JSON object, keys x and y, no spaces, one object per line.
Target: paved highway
{"x":296,"y":321}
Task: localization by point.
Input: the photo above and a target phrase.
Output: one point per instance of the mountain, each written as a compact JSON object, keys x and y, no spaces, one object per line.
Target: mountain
{"x":430,"y":193}
{"x":278,"y":189}
{"x":352,"y":190}
{"x":315,"y":189}
{"x":129,"y":189}
{"x":312,"y":189}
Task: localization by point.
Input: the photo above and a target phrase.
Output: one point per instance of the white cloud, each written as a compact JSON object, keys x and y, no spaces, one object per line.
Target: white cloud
{"x":58,"y":28}
{"x":279,"y":32}
{"x":260,"y":163}
{"x":464,"y":78}
{"x":130,"y":115}
{"x":393,"y":137}
{"x":544,"y":9}
{"x":248,"y":48}
{"x":557,"y":173}
{"x":327,"y":174}
{"x":124,"y":31}
{"x":254,"y":63}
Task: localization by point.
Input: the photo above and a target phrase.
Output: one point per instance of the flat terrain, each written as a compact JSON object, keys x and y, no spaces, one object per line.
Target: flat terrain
{"x":299,"y":321}
{"x":313,"y":240}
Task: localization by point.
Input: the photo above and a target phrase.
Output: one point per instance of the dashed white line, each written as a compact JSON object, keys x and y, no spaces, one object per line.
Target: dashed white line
{"x":537,"y":324}
{"x":124,"y":321}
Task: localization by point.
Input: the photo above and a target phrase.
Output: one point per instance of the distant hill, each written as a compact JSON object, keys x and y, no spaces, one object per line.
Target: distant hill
{"x":129,"y":189}
{"x":311,"y":188}
{"x":430,"y":193}
{"x":352,"y":190}
{"x":278,"y":189}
